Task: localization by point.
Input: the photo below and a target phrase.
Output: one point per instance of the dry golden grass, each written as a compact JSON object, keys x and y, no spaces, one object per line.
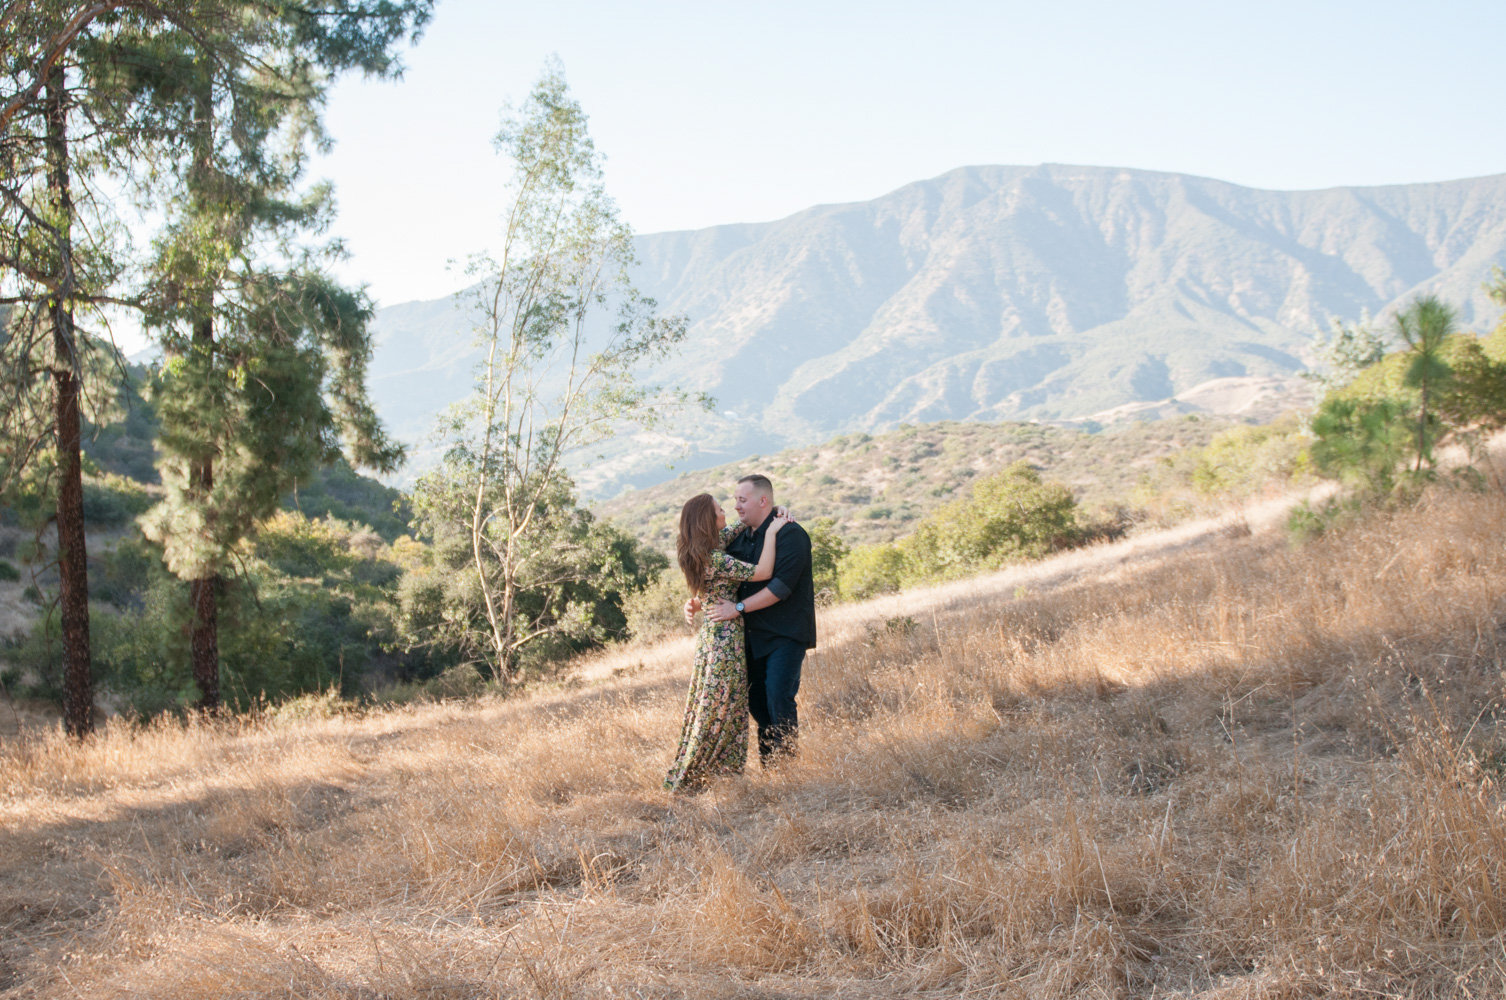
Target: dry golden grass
{"x":1235,"y":770}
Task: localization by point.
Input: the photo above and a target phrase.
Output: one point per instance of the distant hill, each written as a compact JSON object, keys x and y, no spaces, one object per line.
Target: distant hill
{"x":877,"y":487}
{"x":998,"y":293}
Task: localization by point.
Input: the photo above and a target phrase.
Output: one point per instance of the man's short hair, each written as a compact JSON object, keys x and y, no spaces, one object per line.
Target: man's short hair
{"x":759,"y":483}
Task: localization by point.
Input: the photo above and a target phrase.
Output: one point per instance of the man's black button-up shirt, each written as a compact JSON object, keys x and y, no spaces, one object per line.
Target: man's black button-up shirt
{"x":794,"y":617}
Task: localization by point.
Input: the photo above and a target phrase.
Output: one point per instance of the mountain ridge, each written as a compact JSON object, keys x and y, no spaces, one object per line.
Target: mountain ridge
{"x":1051,"y":292}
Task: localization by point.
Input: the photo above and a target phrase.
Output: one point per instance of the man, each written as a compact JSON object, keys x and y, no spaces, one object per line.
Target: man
{"x":779,"y":618}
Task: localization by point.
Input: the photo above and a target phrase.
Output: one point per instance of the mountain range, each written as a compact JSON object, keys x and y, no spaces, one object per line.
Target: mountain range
{"x":1053,"y":293}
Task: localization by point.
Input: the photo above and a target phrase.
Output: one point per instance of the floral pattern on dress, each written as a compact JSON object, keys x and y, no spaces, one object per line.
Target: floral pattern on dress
{"x":714,"y":735}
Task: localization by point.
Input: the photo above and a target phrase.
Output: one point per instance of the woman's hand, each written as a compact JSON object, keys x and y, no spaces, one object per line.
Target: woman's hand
{"x":778,"y":521}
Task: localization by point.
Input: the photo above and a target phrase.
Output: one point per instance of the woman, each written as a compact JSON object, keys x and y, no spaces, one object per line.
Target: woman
{"x":714,"y":737}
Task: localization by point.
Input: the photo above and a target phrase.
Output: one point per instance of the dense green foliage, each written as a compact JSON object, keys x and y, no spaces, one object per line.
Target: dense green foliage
{"x":301,"y":612}
{"x":205,"y":112}
{"x":1238,"y":464}
{"x":312,"y":605}
{"x":1011,"y":516}
{"x":656,"y":610}
{"x":124,"y":445}
{"x":574,"y":576}
{"x":1383,"y":428}
{"x":340,"y":492}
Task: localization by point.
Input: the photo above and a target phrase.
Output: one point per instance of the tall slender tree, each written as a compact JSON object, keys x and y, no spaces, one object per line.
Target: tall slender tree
{"x":556,"y":376}
{"x":1425,"y":326}
{"x":73,"y":560}
{"x":266,"y":355}
{"x":220,"y":99}
{"x":48,"y":274}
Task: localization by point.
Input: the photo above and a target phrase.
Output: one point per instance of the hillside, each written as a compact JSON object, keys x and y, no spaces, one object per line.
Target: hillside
{"x":996,"y":293}
{"x":877,"y":486}
{"x":1221,"y":767}
{"x":124,"y":447}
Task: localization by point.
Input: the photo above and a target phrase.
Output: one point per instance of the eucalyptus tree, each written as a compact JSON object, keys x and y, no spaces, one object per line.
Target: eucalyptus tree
{"x":1345,"y":351}
{"x":265,"y":354}
{"x":557,"y":374}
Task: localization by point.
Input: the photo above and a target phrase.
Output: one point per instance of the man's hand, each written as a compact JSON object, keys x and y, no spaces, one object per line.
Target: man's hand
{"x":691,"y":607}
{"x":722,"y":611}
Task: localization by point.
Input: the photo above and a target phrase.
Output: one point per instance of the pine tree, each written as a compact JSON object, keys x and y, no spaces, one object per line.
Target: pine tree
{"x":1425,"y":325}
{"x":266,"y":356}
{"x":47,"y":275}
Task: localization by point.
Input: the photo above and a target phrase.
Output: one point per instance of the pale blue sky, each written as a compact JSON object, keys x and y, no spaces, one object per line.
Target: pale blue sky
{"x":711,"y":113}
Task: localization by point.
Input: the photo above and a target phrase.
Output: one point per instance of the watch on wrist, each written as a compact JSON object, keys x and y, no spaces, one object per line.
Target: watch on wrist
{"x":739,"y":607}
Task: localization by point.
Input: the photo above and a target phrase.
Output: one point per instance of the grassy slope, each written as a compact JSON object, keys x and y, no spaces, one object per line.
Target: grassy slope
{"x":1233,"y":769}
{"x":878,"y":487}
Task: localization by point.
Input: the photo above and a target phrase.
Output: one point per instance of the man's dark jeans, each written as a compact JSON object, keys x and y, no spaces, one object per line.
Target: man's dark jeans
{"x":773,"y":682}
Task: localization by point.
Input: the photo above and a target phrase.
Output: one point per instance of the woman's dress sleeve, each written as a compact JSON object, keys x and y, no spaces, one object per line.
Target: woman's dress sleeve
{"x":724,"y":567}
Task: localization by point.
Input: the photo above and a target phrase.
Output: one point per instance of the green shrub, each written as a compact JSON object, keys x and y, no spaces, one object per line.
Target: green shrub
{"x":657,"y":610}
{"x":311,"y":606}
{"x":827,"y":551}
{"x":338,"y":491}
{"x":122,"y":573}
{"x":112,"y":500}
{"x":8,"y":572}
{"x":871,"y":570}
{"x":1243,"y":460}
{"x":1010,"y":516}
{"x":326,"y":704}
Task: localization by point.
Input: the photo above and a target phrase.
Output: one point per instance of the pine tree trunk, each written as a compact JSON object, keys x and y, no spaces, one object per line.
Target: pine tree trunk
{"x":73,"y":559}
{"x":204,"y":644}
{"x":1422,"y":427}
{"x":205,"y":641}
{"x":73,"y":555}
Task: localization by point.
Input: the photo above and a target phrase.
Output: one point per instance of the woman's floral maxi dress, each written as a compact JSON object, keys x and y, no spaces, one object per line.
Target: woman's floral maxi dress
{"x":714,"y":736}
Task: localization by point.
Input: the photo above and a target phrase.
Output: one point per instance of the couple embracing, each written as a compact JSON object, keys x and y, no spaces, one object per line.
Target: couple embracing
{"x":753,"y":581}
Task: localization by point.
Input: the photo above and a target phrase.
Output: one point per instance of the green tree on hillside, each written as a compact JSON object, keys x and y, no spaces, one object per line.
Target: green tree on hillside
{"x":1444,"y":386}
{"x":266,"y":356}
{"x":181,"y":99}
{"x":1245,"y":459}
{"x":1009,"y":516}
{"x":1344,"y":352}
{"x":1360,"y":441}
{"x":827,"y":551}
{"x":56,"y":270}
{"x":1424,"y":326}
{"x":573,"y":579}
{"x":869,"y":570}
{"x":556,"y":376}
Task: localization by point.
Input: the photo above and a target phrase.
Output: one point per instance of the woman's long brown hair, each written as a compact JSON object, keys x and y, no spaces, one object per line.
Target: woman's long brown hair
{"x":698,"y":536}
